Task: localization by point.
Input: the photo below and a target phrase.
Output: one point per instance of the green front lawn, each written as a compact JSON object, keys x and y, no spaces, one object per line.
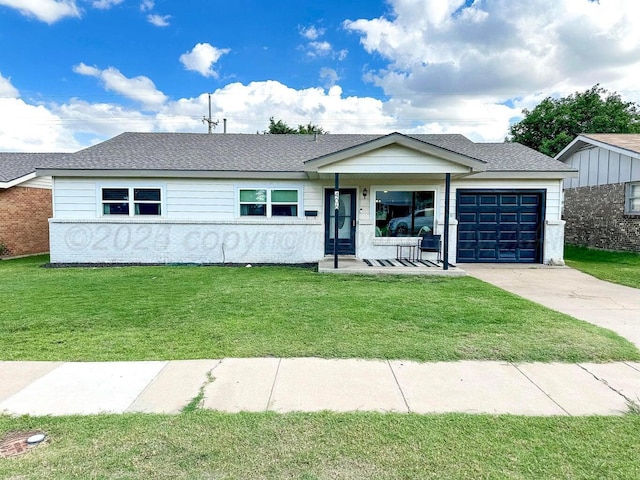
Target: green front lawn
{"x":616,"y":267}
{"x":144,"y":313}
{"x":208,"y":445}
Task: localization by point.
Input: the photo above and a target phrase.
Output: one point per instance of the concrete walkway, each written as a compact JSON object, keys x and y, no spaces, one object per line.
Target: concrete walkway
{"x":569,"y":291}
{"x":312,"y":384}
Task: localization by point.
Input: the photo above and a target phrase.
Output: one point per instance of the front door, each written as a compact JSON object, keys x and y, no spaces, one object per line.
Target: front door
{"x":346,"y":222}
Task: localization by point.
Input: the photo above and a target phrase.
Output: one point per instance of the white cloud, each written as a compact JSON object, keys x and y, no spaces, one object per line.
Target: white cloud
{"x":77,"y":123}
{"x":249,"y":107}
{"x":140,"y":88}
{"x":202,"y":58}
{"x":7,"y":90}
{"x":105,"y":4}
{"x":453,"y":65}
{"x":329,"y":75}
{"x":32,"y":128}
{"x":319,"y":49}
{"x":311,"y":33}
{"x":48,"y":11}
{"x":159,"y":20}
{"x":147,"y":5}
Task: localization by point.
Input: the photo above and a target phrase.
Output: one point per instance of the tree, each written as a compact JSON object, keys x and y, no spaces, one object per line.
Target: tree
{"x":281,"y":127}
{"x":555,"y":122}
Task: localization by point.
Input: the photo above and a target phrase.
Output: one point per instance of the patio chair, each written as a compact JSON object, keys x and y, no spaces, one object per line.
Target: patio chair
{"x":429,"y":243}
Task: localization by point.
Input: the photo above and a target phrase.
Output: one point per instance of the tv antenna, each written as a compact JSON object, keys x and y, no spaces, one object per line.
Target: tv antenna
{"x":210,"y":123}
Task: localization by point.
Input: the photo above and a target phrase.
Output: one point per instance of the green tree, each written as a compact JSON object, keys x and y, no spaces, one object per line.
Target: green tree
{"x":281,"y":127}
{"x":555,"y":122}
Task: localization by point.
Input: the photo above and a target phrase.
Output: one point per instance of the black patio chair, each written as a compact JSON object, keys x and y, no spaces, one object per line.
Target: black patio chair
{"x":430,"y":243}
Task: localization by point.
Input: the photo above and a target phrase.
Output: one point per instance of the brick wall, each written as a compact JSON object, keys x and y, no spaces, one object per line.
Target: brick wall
{"x":595,"y":218}
{"x":24,"y":219}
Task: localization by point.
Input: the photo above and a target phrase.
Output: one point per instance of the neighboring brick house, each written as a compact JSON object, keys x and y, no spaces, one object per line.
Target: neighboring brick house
{"x":25,"y":203}
{"x":602,"y":204}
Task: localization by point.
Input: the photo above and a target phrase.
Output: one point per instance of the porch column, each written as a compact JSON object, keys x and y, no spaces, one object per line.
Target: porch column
{"x":447,"y":194}
{"x":336,"y":201}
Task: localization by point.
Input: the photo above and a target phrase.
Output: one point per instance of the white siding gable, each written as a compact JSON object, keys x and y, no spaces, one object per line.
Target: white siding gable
{"x":394,"y":159}
{"x":38,"y":182}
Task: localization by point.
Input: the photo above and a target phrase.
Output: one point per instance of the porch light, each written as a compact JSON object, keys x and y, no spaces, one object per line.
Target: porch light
{"x":364,"y":193}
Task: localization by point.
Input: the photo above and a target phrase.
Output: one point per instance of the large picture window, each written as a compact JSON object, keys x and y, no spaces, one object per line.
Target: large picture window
{"x":131,"y":201}
{"x":632,"y":200}
{"x":269,"y":202}
{"x":404,"y":213}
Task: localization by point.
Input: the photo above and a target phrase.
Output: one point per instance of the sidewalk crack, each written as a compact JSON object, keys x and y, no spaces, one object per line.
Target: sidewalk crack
{"x":404,"y":399}
{"x":197,"y":402}
{"x":604,"y":382}
{"x":273,"y":385}
{"x":155,"y":377}
{"x":540,"y":388}
{"x":631,"y":366}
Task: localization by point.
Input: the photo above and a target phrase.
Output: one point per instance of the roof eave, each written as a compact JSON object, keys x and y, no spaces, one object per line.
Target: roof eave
{"x":17,"y":181}
{"x":527,"y":174}
{"x":160,"y":173}
{"x":583,"y":140}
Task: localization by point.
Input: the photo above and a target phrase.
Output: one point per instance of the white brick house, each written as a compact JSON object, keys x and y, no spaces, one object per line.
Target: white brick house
{"x":238,"y":198}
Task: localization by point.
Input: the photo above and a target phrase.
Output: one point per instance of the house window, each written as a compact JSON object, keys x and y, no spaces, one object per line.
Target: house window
{"x":632,"y":198}
{"x":284,"y":203}
{"x":253,"y":203}
{"x":265,"y":202}
{"x":404,"y":213}
{"x":115,"y":201}
{"x":131,"y":201}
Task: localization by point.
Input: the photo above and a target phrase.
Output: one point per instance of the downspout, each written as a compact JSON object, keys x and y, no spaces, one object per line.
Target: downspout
{"x":447,"y":194}
{"x":336,"y":201}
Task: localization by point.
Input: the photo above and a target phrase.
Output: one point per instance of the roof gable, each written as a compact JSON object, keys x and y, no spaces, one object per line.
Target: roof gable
{"x":365,"y":156}
{"x":623,"y":143}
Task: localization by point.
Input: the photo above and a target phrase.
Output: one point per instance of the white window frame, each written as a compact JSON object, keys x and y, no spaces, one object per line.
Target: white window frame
{"x":629,"y":197}
{"x":131,"y":200}
{"x":269,"y":203}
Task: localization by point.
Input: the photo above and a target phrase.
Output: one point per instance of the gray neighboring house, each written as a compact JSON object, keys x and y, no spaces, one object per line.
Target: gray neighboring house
{"x":198,"y":198}
{"x":602,"y":204}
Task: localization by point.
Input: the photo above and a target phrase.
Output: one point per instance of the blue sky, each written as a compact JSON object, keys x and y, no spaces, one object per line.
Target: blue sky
{"x":75,"y":72}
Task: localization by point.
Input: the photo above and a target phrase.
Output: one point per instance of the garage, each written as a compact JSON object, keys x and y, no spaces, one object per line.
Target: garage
{"x":500,"y":226}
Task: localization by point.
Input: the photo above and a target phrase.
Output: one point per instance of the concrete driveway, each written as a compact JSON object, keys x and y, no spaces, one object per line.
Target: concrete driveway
{"x":569,"y":291}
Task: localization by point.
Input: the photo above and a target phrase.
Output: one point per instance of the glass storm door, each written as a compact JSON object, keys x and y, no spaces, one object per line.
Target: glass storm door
{"x":346,"y":222}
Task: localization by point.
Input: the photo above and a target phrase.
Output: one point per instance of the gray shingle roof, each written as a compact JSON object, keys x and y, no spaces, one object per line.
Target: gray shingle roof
{"x":273,"y":153}
{"x":16,"y":165}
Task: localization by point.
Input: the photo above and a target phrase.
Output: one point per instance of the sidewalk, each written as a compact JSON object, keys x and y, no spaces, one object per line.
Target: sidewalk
{"x":312,"y":384}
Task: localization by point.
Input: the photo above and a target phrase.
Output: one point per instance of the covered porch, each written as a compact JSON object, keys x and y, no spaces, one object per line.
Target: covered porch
{"x":388,"y":199}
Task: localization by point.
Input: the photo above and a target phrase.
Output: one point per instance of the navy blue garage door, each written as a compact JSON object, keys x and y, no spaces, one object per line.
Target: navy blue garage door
{"x":500,"y":226}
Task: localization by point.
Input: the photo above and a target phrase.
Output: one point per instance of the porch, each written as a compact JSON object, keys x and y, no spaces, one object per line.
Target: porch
{"x":394,"y":266}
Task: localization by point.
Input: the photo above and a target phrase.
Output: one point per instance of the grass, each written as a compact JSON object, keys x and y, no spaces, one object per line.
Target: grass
{"x":208,"y":445}
{"x":151,"y":313}
{"x":616,"y":267}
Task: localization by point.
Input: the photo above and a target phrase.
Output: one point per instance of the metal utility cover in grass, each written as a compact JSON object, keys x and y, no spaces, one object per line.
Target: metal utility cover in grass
{"x":14,"y":444}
